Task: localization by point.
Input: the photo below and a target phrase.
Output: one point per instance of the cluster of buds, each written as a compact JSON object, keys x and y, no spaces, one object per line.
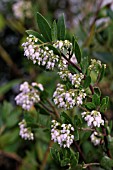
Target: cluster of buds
{"x":75,"y":79}
{"x":96,"y":138}
{"x":63,"y":45}
{"x":29,"y":95}
{"x":39,"y":53}
{"x":63,"y":68}
{"x":80,"y":97}
{"x":25,"y":132}
{"x":95,"y":65}
{"x":62,"y":134}
{"x":93,"y":118}
{"x":68,"y":99}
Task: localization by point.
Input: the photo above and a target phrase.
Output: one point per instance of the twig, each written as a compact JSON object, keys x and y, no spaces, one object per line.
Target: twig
{"x":90,"y":164}
{"x":86,"y":129}
{"x":54,"y":109}
{"x":80,"y":152}
{"x":46,"y":156}
{"x":70,"y":62}
{"x":11,"y":155}
{"x":83,"y":108}
{"x":48,"y":110}
{"x":106,"y":142}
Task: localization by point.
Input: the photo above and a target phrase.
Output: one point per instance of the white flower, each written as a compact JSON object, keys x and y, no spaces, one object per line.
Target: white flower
{"x":25,"y":132}
{"x":40,"y":55}
{"x":93,"y":119}
{"x":76,"y":79}
{"x":95,"y":138}
{"x":95,"y":65}
{"x":62,"y":135}
{"x":68,"y":99}
{"x":29,"y":95}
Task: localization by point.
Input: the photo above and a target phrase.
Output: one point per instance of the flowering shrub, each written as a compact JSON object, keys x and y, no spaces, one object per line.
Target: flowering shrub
{"x":52,"y":50}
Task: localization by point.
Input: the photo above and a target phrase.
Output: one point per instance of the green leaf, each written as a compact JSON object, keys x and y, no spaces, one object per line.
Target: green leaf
{"x":97,"y":91}
{"x":90,"y":105}
{"x":76,"y":50}
{"x":65,"y":162}
{"x":54,"y":31}
{"x":66,"y":118}
{"x":103,"y":108}
{"x":96,"y":99}
{"x":44,"y":27}
{"x":107,"y":100}
{"x":84,"y":64}
{"x":103,"y":101}
{"x":76,"y":135}
{"x":110,"y":13}
{"x":72,"y":69}
{"x":106,"y":163}
{"x":87,"y":81}
{"x":104,"y":104}
{"x":78,"y":167}
{"x":55,"y":154}
{"x":37,"y":35}
{"x":12,"y":120}
{"x":41,"y":109}
{"x":77,"y":121}
{"x":102,"y":72}
{"x":61,"y":30}
{"x":74,"y":158}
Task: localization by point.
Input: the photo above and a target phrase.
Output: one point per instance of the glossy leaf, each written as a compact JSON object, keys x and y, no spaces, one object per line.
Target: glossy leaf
{"x":97,"y":91}
{"x":76,"y":135}
{"x":61,"y":30}
{"x":76,"y":50}
{"x":102,"y":72}
{"x":96,"y":99}
{"x":87,"y":81}
{"x":84,"y":64}
{"x":65,"y":117}
{"x":106,"y":163}
{"x":90,"y":105}
{"x":44,"y":27}
{"x":54,"y":31}
{"x":37,"y":35}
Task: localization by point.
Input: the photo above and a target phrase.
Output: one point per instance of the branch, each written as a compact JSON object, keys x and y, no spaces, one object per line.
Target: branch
{"x":70,"y":62}
{"x":79,"y":69}
{"x":90,"y":164}
{"x":54,"y":109}
{"x":80,"y":152}
{"x":46,"y":156}
{"x":86,"y":129}
{"x":48,"y":110}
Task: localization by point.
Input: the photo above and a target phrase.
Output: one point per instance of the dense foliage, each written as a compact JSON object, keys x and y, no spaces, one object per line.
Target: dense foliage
{"x":63,"y":117}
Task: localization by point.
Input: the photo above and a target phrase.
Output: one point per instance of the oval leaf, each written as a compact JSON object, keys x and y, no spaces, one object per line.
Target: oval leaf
{"x":54,"y":31}
{"x":61,"y":30}
{"x":76,"y":50}
{"x":44,"y":27}
{"x":36,"y":34}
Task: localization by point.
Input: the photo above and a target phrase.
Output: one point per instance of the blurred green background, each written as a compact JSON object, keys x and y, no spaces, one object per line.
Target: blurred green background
{"x":92,"y":23}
